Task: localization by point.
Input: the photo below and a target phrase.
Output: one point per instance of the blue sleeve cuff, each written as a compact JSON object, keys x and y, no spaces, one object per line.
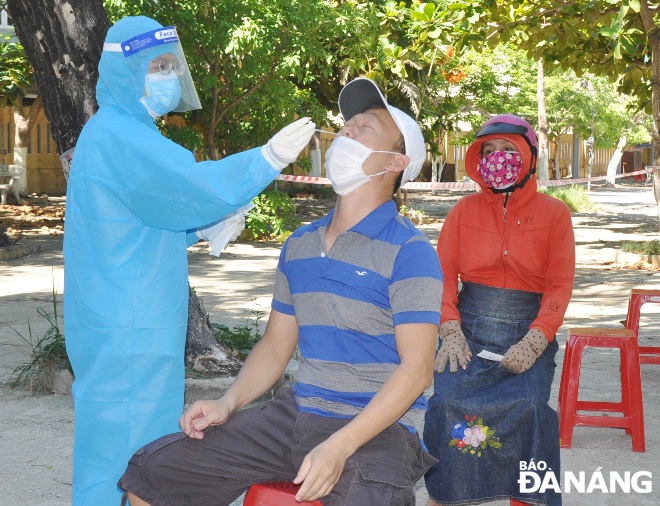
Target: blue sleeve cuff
{"x":191,"y":237}
{"x":282,"y":308}
{"x":417,"y":317}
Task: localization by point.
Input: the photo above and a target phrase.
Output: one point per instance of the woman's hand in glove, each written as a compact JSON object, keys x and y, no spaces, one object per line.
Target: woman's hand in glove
{"x":522,"y":355}
{"x":454,"y":348}
{"x":285,"y":146}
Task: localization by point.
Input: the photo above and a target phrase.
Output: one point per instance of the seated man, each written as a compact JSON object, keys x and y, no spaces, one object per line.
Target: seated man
{"x":359,"y":292}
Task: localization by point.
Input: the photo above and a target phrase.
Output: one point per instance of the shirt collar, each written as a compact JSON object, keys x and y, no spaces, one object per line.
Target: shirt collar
{"x":372,"y":224}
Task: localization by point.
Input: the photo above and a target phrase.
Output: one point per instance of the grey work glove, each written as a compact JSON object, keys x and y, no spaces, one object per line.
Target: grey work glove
{"x":522,"y":355}
{"x":454,"y":348}
{"x":285,"y":146}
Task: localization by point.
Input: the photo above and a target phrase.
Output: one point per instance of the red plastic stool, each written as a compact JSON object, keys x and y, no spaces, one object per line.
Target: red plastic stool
{"x":284,"y":494}
{"x":277,"y":493}
{"x":647,"y":354}
{"x":631,"y":405}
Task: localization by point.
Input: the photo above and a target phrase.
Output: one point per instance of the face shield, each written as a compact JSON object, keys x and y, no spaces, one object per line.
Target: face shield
{"x":159,"y":57}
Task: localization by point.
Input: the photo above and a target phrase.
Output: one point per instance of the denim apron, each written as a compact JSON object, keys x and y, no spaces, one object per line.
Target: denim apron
{"x":485,"y":423}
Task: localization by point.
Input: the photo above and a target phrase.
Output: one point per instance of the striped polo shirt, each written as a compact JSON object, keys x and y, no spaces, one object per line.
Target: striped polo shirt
{"x":381,"y":273}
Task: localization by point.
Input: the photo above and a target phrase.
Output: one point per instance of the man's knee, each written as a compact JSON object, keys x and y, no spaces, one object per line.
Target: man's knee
{"x":133,"y":500}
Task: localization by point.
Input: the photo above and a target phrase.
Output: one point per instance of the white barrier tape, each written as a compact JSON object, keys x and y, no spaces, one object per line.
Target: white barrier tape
{"x":458,"y":185}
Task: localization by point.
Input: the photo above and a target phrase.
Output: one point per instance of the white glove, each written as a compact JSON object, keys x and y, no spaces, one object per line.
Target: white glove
{"x":222,"y":232}
{"x":285,"y":146}
{"x":231,"y":232}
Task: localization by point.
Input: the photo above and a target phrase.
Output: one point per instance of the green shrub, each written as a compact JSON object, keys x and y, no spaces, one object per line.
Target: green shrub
{"x":48,"y":354}
{"x":574,"y":196}
{"x":240,"y":339}
{"x":272,"y":215}
{"x":641,"y":247}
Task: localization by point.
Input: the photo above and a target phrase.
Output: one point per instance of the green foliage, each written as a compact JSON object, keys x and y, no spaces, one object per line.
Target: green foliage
{"x":185,"y":136}
{"x":257,"y":63}
{"x":574,"y":196}
{"x":15,"y":71}
{"x":603,"y":37}
{"x":272,"y":215}
{"x":641,"y":247}
{"x":48,"y":354}
{"x":305,"y":164}
{"x":240,"y":339}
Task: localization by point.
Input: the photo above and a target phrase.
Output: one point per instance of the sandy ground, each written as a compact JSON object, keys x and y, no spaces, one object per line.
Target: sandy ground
{"x":36,"y":430}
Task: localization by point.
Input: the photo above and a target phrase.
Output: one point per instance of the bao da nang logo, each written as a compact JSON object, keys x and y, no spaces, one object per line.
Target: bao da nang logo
{"x":538,"y":477}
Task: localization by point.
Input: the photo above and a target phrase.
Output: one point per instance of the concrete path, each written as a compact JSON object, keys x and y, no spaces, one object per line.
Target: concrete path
{"x":36,"y":431}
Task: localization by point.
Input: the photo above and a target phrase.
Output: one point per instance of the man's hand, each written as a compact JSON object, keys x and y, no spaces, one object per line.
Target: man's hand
{"x":203,"y":414}
{"x":285,"y":146}
{"x":320,"y":470}
{"x":522,"y":355}
{"x":454,"y":348}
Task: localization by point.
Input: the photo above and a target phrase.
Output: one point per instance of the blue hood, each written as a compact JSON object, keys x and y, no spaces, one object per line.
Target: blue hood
{"x":121,"y":79}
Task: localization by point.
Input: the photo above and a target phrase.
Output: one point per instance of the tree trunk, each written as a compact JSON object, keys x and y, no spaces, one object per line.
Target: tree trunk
{"x":542,"y":163}
{"x":653,"y":32}
{"x":557,"y":167}
{"x":23,"y":126}
{"x":656,"y":189}
{"x":63,"y":42}
{"x":203,"y":353}
{"x":315,"y":152}
{"x":615,"y":160}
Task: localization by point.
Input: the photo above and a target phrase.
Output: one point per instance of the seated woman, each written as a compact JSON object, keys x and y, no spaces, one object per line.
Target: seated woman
{"x":513,"y":250}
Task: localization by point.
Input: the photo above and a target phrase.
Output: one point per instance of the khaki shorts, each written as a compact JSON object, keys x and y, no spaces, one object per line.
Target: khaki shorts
{"x":268,"y":442}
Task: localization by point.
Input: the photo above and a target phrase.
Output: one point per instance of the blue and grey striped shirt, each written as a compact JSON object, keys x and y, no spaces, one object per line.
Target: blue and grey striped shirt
{"x":381,"y":273}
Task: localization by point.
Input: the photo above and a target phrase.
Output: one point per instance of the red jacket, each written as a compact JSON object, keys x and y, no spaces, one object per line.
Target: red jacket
{"x":529,"y":247}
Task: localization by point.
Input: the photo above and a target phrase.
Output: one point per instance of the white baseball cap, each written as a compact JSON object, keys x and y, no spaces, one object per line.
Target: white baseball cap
{"x":362,"y":94}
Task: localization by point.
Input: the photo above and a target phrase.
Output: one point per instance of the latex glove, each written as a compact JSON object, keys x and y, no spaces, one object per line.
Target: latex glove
{"x":522,"y":355}
{"x":231,"y":232}
{"x":454,"y":348}
{"x":285,"y":146}
{"x":221,"y":233}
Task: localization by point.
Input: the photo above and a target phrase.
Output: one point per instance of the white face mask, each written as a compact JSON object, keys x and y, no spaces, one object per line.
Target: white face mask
{"x":343,"y":164}
{"x":163,"y":93}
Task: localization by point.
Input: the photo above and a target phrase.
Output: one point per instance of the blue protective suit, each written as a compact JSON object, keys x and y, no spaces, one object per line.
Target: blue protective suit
{"x":132,"y":196}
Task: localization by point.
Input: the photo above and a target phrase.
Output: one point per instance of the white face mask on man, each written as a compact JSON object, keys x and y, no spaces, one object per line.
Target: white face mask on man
{"x":343,"y":164}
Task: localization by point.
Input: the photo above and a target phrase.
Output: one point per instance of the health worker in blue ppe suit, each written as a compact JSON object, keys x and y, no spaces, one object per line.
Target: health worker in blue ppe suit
{"x":134,"y":202}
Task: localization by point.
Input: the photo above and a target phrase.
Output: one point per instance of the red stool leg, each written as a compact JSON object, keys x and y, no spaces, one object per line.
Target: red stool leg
{"x":569,"y":398}
{"x":561,"y":404}
{"x":639,"y":297}
{"x":634,"y":308}
{"x":634,"y":399}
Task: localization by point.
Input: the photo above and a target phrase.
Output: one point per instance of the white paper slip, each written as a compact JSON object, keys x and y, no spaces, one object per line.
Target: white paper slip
{"x":489,"y":355}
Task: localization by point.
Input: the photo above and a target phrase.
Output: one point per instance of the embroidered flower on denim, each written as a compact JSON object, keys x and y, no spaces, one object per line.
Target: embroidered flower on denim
{"x":472,"y":436}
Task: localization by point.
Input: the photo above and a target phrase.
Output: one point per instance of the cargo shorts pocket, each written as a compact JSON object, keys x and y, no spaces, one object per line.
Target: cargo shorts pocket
{"x":153,"y":448}
{"x":389,"y":478}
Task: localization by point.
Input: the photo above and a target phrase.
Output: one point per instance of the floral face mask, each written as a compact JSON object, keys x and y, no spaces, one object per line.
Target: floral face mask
{"x":500,"y":169}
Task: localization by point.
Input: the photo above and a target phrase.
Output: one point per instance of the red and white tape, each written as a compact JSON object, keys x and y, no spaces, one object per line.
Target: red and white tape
{"x":458,"y":185}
